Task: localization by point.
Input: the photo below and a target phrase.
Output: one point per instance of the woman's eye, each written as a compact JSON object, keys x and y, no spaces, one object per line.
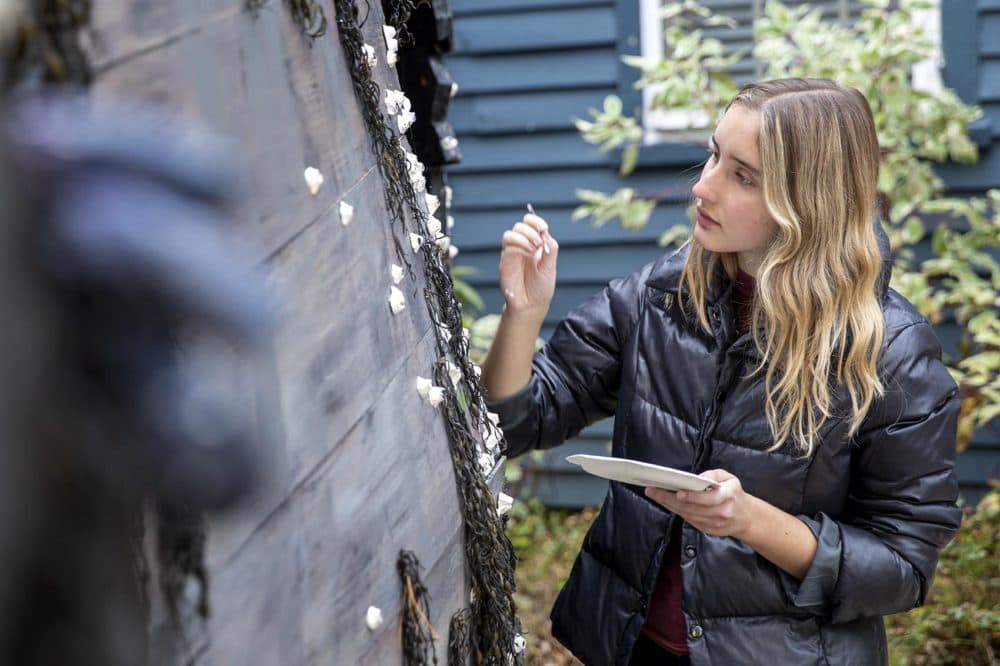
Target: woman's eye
{"x":744,"y":180}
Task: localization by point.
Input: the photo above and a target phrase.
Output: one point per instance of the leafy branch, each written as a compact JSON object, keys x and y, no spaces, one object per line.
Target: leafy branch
{"x":917,"y":129}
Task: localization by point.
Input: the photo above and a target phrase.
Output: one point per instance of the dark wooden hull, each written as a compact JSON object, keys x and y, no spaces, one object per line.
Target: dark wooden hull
{"x":361,"y":466}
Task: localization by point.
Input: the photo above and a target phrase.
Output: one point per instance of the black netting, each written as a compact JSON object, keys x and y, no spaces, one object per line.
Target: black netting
{"x":489,"y":554}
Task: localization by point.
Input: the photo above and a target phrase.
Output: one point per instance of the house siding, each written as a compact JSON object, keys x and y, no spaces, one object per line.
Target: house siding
{"x":526,"y":69}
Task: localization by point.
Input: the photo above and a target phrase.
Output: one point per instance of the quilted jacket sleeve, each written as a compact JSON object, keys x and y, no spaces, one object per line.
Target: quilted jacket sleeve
{"x":902,"y":506}
{"x":575,"y":377}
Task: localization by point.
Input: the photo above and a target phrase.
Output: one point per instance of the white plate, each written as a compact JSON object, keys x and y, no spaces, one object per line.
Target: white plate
{"x":640,"y":473}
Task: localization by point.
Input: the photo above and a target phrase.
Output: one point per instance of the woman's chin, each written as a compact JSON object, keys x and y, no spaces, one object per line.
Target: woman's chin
{"x":705,"y":238}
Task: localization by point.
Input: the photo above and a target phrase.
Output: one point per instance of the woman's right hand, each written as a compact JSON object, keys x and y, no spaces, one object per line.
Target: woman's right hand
{"x":528,"y":267}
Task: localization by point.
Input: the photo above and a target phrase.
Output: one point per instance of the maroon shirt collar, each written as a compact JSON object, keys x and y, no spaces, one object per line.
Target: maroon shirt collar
{"x":744,"y":291}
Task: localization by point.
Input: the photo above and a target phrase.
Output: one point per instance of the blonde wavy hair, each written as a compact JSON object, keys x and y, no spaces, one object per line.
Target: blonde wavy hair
{"x":816,"y":320}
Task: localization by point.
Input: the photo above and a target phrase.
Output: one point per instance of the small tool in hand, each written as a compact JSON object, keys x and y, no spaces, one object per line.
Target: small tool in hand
{"x":545,"y":243}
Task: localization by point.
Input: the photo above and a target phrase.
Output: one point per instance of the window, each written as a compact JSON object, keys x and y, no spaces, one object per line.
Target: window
{"x":927,"y":74}
{"x":660,"y":126}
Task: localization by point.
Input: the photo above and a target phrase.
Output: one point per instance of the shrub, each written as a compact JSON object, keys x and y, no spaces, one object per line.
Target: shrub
{"x":917,"y":128}
{"x":960,"y":624}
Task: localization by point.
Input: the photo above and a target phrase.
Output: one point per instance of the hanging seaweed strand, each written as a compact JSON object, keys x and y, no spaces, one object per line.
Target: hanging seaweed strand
{"x":418,"y":632}
{"x":386,"y":145}
{"x":489,"y":554}
{"x":458,"y":638}
{"x":397,"y":14}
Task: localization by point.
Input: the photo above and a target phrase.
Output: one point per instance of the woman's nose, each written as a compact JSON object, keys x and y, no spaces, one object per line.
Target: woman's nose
{"x":701,"y":189}
{"x":707,"y":187}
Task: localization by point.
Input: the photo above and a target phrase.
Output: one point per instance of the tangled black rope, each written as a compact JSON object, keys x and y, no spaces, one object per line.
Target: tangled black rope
{"x":48,"y":43}
{"x":418,"y":632}
{"x":488,"y":550}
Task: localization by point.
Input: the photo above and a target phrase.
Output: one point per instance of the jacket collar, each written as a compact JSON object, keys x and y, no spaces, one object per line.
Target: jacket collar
{"x":665,"y":274}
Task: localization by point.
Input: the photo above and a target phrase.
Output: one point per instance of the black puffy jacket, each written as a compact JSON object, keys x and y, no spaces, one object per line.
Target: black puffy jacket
{"x":882,"y":502}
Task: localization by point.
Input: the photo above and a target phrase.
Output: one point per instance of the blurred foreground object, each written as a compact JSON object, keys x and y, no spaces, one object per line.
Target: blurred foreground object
{"x":45,"y":42}
{"x":133,"y":321}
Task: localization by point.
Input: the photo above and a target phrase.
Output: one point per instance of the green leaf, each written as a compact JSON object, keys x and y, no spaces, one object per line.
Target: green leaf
{"x":590,"y":196}
{"x":675,"y":235}
{"x":639,"y":62}
{"x":463,"y":272}
{"x":580,"y":212}
{"x":636,"y":214}
{"x":939,"y":241}
{"x":467,"y":296}
{"x":629,"y":157}
{"x":913,"y":232}
{"x":916,"y":129}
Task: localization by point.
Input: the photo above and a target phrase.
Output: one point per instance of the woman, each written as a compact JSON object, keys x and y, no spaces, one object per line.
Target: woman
{"x":770,"y":356}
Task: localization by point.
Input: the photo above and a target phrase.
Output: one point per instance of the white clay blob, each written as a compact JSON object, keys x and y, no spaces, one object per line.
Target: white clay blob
{"x":504,"y":503}
{"x":373,"y":618}
{"x":391,"y":44}
{"x":397,"y":301}
{"x":314,"y":179}
{"x":346,"y":213}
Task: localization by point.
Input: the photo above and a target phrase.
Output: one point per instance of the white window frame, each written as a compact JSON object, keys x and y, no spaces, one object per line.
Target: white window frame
{"x":927,"y":73}
{"x":661,"y":126}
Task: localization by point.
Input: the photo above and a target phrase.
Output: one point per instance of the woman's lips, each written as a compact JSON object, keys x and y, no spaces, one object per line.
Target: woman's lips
{"x":706,"y":221}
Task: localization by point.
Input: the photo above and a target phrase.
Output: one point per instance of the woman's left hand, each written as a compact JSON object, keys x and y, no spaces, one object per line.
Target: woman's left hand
{"x":723,"y":511}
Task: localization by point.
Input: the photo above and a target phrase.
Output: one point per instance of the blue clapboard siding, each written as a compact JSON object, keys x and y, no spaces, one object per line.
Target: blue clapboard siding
{"x":595,"y":27}
{"x":541,"y":70}
{"x":499,"y":153}
{"x":516,"y":113}
{"x":972,"y":68}
{"x":493,"y":222}
{"x":982,"y":460}
{"x":546,"y":186}
{"x":470,"y":8}
{"x":525,"y":70}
